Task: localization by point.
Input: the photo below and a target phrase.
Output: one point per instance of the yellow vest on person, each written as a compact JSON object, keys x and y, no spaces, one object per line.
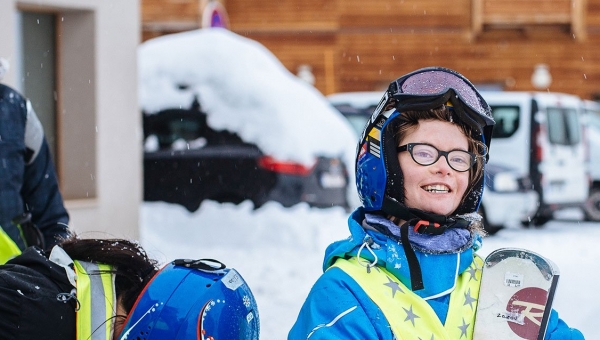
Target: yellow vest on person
{"x":409,"y":315}
{"x":8,"y":247}
{"x":96,"y":298}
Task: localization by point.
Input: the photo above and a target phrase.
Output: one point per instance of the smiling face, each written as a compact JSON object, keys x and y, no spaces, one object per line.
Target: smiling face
{"x":436,"y":188}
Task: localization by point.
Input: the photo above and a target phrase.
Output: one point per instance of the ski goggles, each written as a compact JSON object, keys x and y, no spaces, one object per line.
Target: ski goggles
{"x":434,"y":86}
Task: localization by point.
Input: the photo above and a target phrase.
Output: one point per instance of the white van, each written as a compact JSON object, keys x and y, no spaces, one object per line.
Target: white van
{"x":591,"y":116}
{"x":508,"y":200}
{"x":540,"y":135}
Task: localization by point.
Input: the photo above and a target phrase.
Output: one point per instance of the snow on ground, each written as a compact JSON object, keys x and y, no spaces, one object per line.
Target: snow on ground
{"x":279,"y":252}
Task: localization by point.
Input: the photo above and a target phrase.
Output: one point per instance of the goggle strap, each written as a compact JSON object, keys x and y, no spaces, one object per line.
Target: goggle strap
{"x":201,"y":264}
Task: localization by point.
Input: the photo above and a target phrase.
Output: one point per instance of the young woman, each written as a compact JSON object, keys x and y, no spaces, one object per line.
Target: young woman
{"x":409,"y":269}
{"x":109,"y":289}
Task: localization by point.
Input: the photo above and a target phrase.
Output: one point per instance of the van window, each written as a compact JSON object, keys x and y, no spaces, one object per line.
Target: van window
{"x":593,"y":120}
{"x":563,"y":126}
{"x":507,"y":121}
{"x":357,"y":116}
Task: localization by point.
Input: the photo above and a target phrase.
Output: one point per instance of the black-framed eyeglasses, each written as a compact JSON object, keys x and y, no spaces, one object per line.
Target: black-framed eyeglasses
{"x":426,"y":154}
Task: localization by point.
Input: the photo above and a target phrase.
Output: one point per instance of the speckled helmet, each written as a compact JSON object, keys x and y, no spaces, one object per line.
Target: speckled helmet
{"x":194,"y":299}
{"x":378,"y":174}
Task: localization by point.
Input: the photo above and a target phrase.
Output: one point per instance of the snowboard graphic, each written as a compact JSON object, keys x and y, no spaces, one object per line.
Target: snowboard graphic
{"x":515,"y":300}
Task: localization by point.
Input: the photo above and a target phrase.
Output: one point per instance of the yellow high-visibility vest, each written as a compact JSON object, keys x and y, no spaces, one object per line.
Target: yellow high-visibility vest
{"x":8,"y":247}
{"x":409,"y":315}
{"x":96,"y":298}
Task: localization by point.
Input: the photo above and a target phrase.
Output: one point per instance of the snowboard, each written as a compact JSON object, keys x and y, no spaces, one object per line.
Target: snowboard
{"x":515,"y":298}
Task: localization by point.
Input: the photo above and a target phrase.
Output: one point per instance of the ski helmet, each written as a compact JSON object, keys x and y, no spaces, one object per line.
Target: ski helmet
{"x":194,"y":299}
{"x":378,"y":174}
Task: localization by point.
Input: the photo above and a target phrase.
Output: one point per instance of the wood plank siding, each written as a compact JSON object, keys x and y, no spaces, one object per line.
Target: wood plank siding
{"x":361,"y":45}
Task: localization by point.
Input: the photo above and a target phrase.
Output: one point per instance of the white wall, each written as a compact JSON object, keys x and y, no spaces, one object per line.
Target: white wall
{"x":110,"y":54}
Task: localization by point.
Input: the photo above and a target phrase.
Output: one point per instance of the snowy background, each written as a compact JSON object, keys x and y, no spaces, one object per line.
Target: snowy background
{"x":242,"y":87}
{"x":279,"y":251}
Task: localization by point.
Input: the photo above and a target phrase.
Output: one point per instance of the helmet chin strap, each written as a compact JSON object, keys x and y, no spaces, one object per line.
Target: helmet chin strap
{"x":427,"y":222}
{"x":424,"y":223}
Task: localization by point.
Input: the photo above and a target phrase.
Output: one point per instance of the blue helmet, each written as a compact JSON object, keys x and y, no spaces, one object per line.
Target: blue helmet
{"x":194,"y":299}
{"x":379,"y":178}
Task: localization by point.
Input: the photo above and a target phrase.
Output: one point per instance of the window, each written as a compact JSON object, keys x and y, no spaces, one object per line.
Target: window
{"x":37,"y":75}
{"x":499,"y":14}
{"x":184,"y":129}
{"x":57,"y":73}
{"x":563,"y":126}
{"x":593,"y":120}
{"x":357,"y":117}
{"x":507,"y":121}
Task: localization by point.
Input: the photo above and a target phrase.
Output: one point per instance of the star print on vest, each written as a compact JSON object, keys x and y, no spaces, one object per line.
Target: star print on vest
{"x":394,"y":286}
{"x":469,"y":300}
{"x":410,"y":316}
{"x":394,"y":298}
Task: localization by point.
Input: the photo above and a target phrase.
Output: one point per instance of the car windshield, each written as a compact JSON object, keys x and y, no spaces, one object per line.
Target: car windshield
{"x":186,"y":129}
{"x":170,"y":129}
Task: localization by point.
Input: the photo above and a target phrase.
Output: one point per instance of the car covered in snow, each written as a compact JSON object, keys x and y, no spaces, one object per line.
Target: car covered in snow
{"x":225,"y":121}
{"x":187,"y":162}
{"x":508,"y":200}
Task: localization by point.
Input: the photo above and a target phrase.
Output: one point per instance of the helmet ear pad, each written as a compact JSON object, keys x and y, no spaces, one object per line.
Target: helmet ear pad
{"x":471,"y":201}
{"x":394,"y":187}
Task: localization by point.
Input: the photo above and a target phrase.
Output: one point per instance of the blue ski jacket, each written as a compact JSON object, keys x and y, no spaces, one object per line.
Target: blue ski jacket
{"x":28,"y":181}
{"x":338,"y":308}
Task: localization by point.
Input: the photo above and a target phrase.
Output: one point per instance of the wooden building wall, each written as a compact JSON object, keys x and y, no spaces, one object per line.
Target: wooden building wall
{"x":361,"y":45}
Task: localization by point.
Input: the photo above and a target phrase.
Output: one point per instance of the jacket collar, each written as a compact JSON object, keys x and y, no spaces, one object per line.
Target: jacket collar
{"x":440,"y":271}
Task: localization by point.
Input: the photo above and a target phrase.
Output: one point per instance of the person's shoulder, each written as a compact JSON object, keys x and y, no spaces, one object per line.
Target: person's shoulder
{"x":9,"y":93}
{"x":31,"y":256}
{"x":336,"y":281}
{"x":6,"y":89}
{"x":559,"y":330}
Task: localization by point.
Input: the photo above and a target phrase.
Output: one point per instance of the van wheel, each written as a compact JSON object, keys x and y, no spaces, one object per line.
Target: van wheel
{"x":539,"y":220}
{"x":489,"y":228}
{"x":591,"y":208}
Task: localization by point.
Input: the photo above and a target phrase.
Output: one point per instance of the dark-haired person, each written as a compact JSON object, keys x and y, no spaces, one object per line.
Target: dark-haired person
{"x":110,"y":289}
{"x":409,"y":269}
{"x":31,"y":206}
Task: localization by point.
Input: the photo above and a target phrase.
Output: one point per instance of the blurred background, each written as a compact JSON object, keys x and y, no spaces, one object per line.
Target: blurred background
{"x":352,"y":45}
{"x":227,"y":128}
{"x":77,"y":61}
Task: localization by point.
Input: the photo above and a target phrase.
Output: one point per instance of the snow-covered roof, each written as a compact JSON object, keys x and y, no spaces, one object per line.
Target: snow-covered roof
{"x":243,"y":88}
